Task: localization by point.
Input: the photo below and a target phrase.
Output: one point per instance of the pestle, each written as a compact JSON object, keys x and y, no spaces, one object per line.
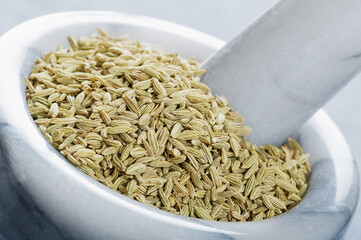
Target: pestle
{"x":291,"y":61}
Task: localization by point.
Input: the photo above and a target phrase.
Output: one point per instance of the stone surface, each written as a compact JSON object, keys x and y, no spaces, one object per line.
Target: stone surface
{"x":19,"y":217}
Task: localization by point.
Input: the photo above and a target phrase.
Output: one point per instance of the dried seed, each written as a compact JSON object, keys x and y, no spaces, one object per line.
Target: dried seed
{"x":141,"y":122}
{"x":120,"y":129}
{"x":202,"y":213}
{"x":176,"y":130}
{"x":215,"y":176}
{"x":136,"y":169}
{"x":159,"y":88}
{"x":138,"y":152}
{"x":84,"y":153}
{"x":286,"y":186}
{"x":54,"y":110}
{"x":67,"y":141}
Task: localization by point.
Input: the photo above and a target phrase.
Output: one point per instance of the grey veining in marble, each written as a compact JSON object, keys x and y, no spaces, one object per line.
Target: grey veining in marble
{"x":82,"y":208}
{"x":286,"y":65}
{"x":20,"y":218}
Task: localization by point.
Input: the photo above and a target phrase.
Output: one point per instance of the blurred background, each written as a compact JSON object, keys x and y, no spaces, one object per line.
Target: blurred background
{"x":20,"y":219}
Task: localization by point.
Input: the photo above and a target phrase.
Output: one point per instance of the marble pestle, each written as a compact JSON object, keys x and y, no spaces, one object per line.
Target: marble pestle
{"x":285,"y":66}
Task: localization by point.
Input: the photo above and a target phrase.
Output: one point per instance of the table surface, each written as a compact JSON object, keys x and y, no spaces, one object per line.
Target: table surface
{"x":222,"y":19}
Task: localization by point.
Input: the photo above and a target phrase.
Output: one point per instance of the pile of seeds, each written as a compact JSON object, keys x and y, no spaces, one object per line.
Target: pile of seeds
{"x":141,"y":122}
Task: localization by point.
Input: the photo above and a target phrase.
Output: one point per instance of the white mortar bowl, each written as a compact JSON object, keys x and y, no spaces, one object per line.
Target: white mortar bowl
{"x":85,"y":209}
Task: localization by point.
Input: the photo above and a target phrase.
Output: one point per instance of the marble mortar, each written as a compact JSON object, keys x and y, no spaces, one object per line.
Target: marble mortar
{"x":85,"y":209}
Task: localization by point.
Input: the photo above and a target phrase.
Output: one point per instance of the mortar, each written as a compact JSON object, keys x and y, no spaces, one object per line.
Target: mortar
{"x":85,"y":209}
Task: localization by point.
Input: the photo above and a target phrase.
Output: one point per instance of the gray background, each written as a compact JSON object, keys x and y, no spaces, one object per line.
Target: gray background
{"x":222,"y":19}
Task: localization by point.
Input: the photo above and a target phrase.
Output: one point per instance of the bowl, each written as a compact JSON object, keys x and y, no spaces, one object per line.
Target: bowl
{"x":83,"y":208}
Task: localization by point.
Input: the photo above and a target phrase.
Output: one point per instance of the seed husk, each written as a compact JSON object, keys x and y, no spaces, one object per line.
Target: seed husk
{"x":202,"y":213}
